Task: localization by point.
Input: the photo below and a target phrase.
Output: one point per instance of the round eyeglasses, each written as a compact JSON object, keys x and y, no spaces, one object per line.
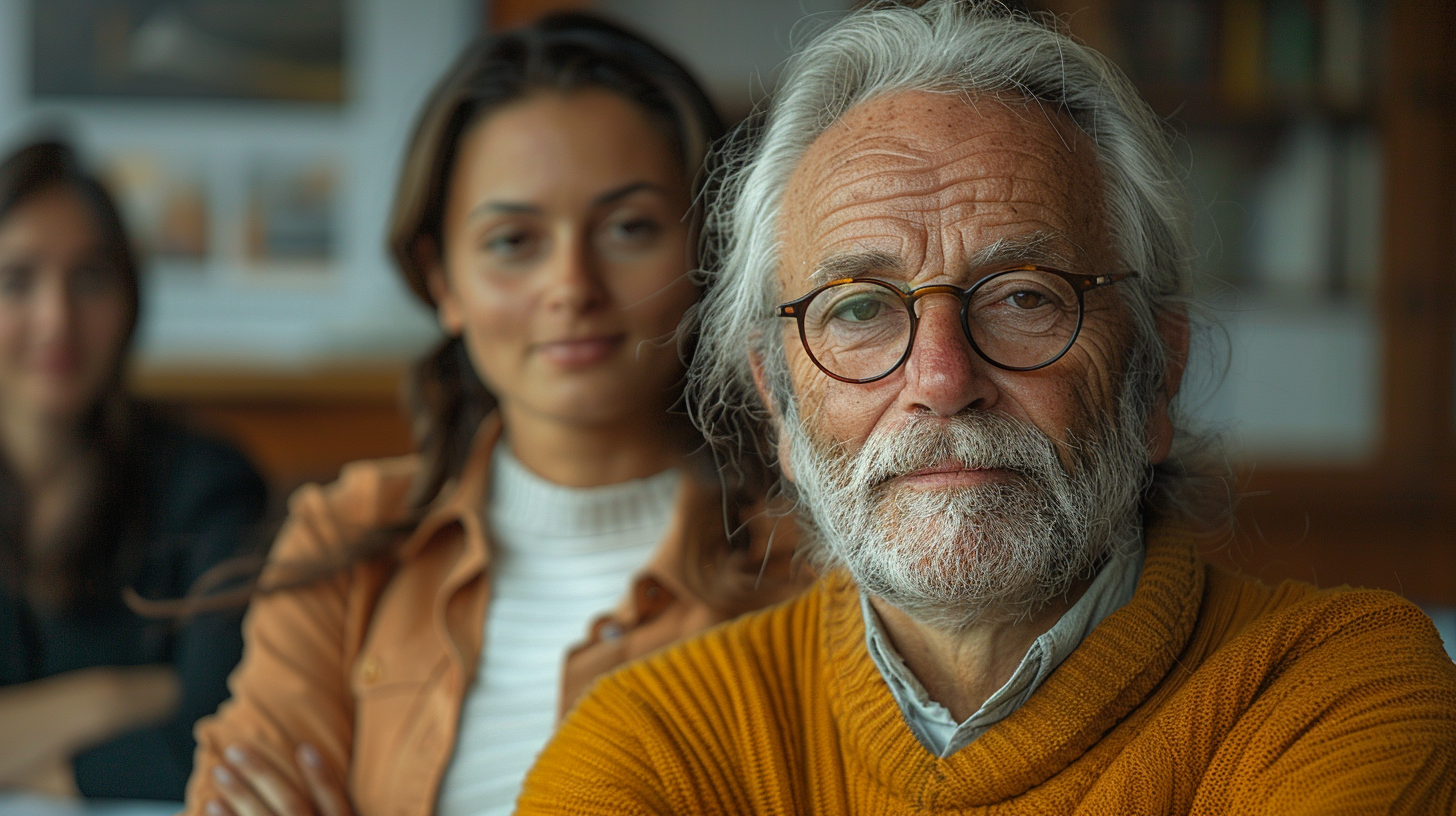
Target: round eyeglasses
{"x":858,"y":330}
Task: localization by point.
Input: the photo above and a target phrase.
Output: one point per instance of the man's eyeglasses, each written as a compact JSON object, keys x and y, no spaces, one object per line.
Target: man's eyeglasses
{"x":858,"y":330}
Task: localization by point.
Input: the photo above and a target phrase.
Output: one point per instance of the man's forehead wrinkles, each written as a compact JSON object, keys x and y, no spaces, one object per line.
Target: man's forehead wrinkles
{"x":941,"y":188}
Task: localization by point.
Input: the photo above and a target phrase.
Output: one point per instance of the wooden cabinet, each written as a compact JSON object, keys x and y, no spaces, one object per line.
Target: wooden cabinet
{"x":296,"y":426}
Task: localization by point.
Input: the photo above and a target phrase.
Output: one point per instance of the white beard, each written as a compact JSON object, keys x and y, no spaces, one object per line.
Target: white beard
{"x":953,"y":557}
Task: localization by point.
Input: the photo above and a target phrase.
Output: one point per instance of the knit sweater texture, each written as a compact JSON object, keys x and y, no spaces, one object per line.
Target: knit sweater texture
{"x":1207,"y":693}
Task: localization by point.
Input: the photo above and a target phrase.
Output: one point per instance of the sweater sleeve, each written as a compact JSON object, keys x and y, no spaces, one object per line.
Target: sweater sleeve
{"x":1364,"y":722}
{"x":293,"y":684}
{"x":216,"y":498}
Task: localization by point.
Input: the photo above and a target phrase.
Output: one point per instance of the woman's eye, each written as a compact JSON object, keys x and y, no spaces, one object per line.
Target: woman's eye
{"x":15,"y":281}
{"x":634,"y":230}
{"x":509,"y":245}
{"x":94,"y":280}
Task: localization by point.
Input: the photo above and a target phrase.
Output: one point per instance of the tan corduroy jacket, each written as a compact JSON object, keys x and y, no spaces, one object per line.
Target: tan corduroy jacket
{"x":372,"y":664}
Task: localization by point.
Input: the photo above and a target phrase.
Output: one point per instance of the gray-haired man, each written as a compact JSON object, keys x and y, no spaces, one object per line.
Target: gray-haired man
{"x":948,"y":285}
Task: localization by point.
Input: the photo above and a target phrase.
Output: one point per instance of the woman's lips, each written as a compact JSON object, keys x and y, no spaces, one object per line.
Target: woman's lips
{"x":580,"y":352}
{"x":950,"y":474}
{"x":58,"y":363}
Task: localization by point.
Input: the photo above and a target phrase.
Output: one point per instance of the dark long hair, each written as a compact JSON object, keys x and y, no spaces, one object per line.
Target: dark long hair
{"x":89,"y":565}
{"x":446,"y":398}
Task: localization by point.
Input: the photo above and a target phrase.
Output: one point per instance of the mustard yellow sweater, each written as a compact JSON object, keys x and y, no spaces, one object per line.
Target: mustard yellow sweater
{"x":1207,"y":693}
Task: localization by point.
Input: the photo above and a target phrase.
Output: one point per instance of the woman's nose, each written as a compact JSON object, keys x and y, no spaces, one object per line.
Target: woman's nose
{"x":52,"y":308}
{"x":575,"y":281}
{"x":944,"y":376}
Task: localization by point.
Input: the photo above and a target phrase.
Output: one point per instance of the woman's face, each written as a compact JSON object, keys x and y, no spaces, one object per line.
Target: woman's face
{"x":565,"y":257}
{"x":63,"y":307}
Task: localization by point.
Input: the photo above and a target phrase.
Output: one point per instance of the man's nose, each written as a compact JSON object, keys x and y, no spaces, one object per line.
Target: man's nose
{"x":575,"y":283}
{"x":944,"y":376}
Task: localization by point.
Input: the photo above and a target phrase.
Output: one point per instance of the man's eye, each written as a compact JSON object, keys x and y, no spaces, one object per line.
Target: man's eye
{"x":1028,"y":299}
{"x":859,"y":309}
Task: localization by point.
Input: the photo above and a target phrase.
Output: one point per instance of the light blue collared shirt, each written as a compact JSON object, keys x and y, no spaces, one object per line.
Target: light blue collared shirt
{"x":933,"y":725}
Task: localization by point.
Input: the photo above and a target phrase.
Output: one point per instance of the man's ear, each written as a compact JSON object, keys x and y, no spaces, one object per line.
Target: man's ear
{"x":447,"y":306}
{"x":1173,"y":329}
{"x":781,"y":441}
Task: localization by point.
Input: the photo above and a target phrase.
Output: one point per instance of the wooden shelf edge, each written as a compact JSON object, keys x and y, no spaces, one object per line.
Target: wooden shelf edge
{"x":342,"y":383}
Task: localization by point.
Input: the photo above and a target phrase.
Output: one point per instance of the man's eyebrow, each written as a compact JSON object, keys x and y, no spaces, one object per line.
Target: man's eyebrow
{"x":520,"y":207}
{"x":1038,"y":247}
{"x":855,"y":265}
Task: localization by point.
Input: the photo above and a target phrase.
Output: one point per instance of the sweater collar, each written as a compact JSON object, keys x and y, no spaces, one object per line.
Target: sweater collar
{"x":940,"y":733}
{"x":1104,"y":678}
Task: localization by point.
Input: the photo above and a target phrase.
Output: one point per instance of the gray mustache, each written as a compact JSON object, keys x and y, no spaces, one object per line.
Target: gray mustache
{"x":977,"y":440}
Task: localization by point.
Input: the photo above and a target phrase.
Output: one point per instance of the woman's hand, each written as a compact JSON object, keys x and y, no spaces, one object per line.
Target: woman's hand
{"x":250,"y":787}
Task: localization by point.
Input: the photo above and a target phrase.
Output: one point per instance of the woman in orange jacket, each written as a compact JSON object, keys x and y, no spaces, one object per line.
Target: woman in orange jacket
{"x":405,"y":653}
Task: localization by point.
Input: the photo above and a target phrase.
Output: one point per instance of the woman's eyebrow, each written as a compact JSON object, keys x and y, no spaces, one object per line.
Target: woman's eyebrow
{"x":625,"y":190}
{"x":509,"y":207}
{"x":523,"y":208}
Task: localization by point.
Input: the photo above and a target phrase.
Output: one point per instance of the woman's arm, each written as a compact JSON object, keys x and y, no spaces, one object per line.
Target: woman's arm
{"x":209,"y":500}
{"x":46,"y":722}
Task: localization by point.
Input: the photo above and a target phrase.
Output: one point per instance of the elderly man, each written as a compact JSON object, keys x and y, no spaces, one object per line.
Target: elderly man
{"x":949,"y":287}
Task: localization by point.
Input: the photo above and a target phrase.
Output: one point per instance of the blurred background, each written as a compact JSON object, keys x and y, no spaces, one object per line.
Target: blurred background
{"x":254,"y":145}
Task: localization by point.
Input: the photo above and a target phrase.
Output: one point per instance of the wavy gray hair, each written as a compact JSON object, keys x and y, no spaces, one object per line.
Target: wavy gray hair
{"x":945,"y":46}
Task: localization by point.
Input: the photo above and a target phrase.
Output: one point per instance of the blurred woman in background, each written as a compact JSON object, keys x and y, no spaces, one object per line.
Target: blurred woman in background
{"x":412,"y":643}
{"x":97,"y":495}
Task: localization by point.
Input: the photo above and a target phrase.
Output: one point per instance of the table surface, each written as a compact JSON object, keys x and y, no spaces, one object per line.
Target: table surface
{"x":23,"y":804}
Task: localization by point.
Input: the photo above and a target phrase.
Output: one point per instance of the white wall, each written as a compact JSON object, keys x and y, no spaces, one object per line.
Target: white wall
{"x":734,"y":48}
{"x":1289,"y":382}
{"x":228,"y":313}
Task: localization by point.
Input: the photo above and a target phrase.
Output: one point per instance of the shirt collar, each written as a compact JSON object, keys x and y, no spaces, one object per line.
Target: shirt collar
{"x":932,"y":723}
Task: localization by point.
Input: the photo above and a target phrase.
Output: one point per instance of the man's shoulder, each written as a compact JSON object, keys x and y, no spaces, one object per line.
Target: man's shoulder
{"x":1306,"y":616}
{"x":676,"y":731}
{"x":1297,"y":640}
{"x":767,"y":646}
{"x":753,"y":669}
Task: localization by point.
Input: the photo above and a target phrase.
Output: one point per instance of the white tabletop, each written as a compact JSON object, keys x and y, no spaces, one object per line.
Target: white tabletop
{"x":24,"y":804}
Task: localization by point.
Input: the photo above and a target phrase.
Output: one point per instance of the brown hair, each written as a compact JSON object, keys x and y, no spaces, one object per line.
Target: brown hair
{"x":561,"y":52}
{"x":446,"y":398}
{"x":91,"y":563}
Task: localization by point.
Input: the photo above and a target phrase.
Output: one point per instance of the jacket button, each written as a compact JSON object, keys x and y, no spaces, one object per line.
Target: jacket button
{"x":369,"y":672}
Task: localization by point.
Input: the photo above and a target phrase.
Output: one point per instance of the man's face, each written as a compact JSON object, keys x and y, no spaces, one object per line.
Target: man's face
{"x":961,"y":470}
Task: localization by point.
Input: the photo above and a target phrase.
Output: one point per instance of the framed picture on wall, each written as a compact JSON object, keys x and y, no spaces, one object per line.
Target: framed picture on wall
{"x":280,"y":50}
{"x":164,"y":199}
{"x":291,"y":216}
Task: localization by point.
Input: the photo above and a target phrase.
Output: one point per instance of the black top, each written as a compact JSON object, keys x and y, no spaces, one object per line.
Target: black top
{"x":202,"y":499}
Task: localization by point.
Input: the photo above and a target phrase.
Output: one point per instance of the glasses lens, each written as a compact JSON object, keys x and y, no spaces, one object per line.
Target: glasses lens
{"x":857,"y":330}
{"x":1022,"y":319}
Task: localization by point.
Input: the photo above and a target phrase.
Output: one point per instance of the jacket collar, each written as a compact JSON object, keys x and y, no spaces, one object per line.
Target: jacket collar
{"x":461,"y":499}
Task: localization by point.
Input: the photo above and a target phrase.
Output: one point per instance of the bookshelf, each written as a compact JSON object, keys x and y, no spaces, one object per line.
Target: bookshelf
{"x":1360,"y":97}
